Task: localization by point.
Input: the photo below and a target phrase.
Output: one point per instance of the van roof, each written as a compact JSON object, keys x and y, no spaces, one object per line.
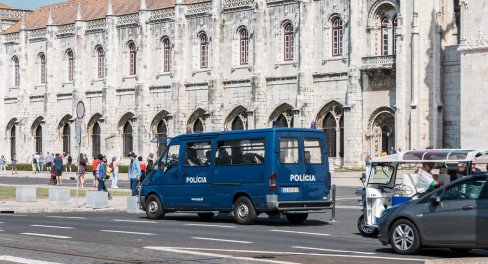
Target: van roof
{"x":208,"y":135}
{"x":433,"y":155}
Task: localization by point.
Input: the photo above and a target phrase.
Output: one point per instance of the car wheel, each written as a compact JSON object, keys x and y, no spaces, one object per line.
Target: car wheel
{"x":460,"y":250}
{"x":404,"y":237}
{"x":206,"y":216}
{"x":244,"y":211}
{"x":154,"y":209}
{"x":364,"y":230}
{"x":296,"y":219}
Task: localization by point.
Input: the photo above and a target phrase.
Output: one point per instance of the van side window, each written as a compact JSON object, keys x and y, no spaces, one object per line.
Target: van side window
{"x":312,"y":148}
{"x":172,"y":157}
{"x":240,"y":152}
{"x":289,"y":150}
{"x":198,"y":154}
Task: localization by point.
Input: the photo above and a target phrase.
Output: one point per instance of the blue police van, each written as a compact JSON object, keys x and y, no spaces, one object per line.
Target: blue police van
{"x":248,"y":172}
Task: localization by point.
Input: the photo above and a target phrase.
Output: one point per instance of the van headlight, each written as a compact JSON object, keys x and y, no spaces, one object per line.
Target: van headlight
{"x":385,"y":212}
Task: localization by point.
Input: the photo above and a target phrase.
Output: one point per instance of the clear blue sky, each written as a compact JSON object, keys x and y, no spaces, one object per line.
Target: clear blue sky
{"x":30,"y":4}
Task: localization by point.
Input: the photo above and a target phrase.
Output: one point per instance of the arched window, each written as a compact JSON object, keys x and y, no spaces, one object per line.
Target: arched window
{"x":133,"y":62}
{"x":162,"y":131}
{"x":16,"y":72}
{"x":385,"y":22}
{"x":12,"y":141}
{"x":395,"y":25}
{"x":341,"y":128}
{"x":198,"y":126}
{"x":237,"y":124}
{"x":167,"y":55}
{"x":244,"y":41}
{"x":38,"y":139}
{"x":101,"y":62}
{"x":281,"y":120}
{"x":42,"y":58}
{"x":66,"y":139}
{"x":203,"y":51}
{"x":329,"y":125}
{"x":71,"y":65}
{"x":127,"y":135}
{"x":337,"y":37}
{"x":96,"y":139}
{"x":288,"y":41}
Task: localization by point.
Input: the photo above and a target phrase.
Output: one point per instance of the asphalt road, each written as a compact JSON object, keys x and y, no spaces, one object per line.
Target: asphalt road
{"x":184,"y":238}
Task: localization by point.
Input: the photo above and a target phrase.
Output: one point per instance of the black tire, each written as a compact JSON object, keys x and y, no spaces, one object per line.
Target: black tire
{"x":460,"y":250}
{"x":244,"y":212}
{"x":366,"y":231}
{"x":154,"y":208}
{"x":206,"y":216}
{"x":296,"y":219}
{"x":404,"y":237}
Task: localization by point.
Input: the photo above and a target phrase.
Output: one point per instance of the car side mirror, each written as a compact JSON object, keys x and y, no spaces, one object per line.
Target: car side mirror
{"x":363,"y":177}
{"x":435,"y":199}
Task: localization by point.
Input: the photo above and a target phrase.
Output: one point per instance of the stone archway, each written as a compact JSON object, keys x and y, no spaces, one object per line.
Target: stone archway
{"x":381,"y":131}
{"x":283,"y":115}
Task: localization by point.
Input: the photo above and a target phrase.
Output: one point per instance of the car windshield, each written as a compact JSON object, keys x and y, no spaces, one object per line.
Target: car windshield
{"x":381,"y":174}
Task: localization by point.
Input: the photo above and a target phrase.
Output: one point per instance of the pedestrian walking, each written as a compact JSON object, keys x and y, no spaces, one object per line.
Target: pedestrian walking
{"x":34,"y":164}
{"x":41,"y":162}
{"x":134,"y":172}
{"x":150,"y":163}
{"x":38,"y":162}
{"x":102,"y":176}
{"x":115,"y":170}
{"x":95,"y":165}
{"x":143,"y":169}
{"x":69,"y":160}
{"x":49,"y":162}
{"x":58,"y":169}
{"x":392,"y":151}
{"x":81,"y":171}
{"x":14,"y":164}
{"x":368,"y":164}
{"x":3,"y":164}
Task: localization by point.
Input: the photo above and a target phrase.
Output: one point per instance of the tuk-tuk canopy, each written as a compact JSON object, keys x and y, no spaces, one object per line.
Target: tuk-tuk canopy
{"x":433,"y":155}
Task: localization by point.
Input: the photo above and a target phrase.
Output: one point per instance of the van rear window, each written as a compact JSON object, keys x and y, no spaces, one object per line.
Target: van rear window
{"x":312,"y":148}
{"x":198,"y":154}
{"x":240,"y":152}
{"x":289,"y":150}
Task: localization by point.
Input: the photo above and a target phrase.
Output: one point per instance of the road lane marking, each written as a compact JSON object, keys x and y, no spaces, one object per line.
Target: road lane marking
{"x":2,"y":222}
{"x":60,"y":227}
{"x":24,"y":260}
{"x":134,"y":221}
{"x":335,"y":250}
{"x":348,"y":207}
{"x":210,"y":225}
{"x":182,"y":251}
{"x":67,"y":217}
{"x":348,"y":198}
{"x":222,"y":240}
{"x":45,"y":235}
{"x":196,"y":251}
{"x":127,"y":232}
{"x":297,"y":232}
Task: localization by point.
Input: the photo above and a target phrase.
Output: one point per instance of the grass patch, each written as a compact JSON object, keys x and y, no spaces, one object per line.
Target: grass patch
{"x":9,"y":192}
{"x":348,"y":169}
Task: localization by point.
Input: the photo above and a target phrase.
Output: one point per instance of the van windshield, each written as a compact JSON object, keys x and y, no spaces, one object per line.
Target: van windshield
{"x":381,"y":174}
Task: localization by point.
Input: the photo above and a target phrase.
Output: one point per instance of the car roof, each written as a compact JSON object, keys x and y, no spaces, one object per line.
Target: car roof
{"x":433,"y":155}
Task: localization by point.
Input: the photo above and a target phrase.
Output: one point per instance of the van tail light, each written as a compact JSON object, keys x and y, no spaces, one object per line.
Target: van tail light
{"x":328,"y":180}
{"x":273,"y":182}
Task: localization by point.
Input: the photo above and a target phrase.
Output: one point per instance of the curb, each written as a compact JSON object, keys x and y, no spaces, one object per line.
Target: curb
{"x":58,"y":210}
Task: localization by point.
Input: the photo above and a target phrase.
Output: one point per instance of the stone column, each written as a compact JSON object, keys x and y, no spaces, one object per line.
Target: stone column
{"x":109,"y":127}
{"x":143,"y":112}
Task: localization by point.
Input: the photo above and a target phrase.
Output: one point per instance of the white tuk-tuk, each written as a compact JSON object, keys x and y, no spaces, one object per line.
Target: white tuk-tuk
{"x":392,"y":179}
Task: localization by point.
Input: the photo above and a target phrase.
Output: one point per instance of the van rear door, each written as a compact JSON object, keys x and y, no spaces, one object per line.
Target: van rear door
{"x":315,"y":168}
{"x":289,"y":168}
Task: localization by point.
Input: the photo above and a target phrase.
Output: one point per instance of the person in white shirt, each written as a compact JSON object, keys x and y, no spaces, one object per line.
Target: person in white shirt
{"x":426,"y":181}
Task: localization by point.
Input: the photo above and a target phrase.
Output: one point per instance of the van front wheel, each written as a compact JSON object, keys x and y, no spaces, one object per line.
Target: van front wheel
{"x":154,"y":208}
{"x":296,"y":219}
{"x":244,"y":211}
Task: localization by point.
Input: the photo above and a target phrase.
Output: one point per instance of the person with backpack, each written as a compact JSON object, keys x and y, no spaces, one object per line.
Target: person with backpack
{"x":134,"y":172}
{"x":34,"y":164}
{"x":69,"y":160}
{"x":102,"y":175}
{"x":58,"y":169}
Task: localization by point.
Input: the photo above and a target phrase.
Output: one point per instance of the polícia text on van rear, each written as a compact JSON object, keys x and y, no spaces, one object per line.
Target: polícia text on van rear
{"x":304,"y":177}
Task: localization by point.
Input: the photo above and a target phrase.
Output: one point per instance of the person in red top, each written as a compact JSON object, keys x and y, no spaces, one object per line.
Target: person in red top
{"x":143,"y":169}
{"x":95,"y":164}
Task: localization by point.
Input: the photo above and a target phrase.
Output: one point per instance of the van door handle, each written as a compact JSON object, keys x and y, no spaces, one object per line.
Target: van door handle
{"x":174,"y":175}
{"x":468,"y":207}
{"x":185,"y":175}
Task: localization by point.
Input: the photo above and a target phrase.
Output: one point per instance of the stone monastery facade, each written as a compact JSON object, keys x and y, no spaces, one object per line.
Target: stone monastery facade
{"x":371,"y":73}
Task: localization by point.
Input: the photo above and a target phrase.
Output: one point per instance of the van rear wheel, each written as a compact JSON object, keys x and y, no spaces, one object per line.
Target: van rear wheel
{"x":296,"y":219}
{"x":244,"y":211}
{"x":206,"y":216}
{"x":154,"y":208}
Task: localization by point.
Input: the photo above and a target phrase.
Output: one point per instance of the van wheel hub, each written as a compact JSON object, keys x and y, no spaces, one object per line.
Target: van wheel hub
{"x":153,"y":207}
{"x":243,"y":210}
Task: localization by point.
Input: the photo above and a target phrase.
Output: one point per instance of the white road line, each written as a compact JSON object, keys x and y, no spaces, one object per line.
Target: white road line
{"x":182,"y":251}
{"x":297,"y":232}
{"x":67,"y":217}
{"x":134,"y":221}
{"x":45,"y":235}
{"x":348,"y":198}
{"x":210,"y":225}
{"x":222,"y":240}
{"x":11,"y":215}
{"x":348,"y":207}
{"x":197,"y":251}
{"x":127,"y":232}
{"x":335,"y":250}
{"x":24,"y":260}
{"x":60,"y":227}
{"x":2,"y":222}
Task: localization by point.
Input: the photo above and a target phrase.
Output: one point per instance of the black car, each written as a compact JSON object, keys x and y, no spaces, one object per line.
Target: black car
{"x":454,"y":216}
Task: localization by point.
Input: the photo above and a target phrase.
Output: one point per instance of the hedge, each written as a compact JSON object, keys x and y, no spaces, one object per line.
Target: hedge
{"x":28,"y":167}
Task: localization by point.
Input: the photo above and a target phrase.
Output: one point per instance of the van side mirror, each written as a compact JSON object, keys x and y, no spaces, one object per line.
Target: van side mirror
{"x":435,"y":199}
{"x":363,"y":177}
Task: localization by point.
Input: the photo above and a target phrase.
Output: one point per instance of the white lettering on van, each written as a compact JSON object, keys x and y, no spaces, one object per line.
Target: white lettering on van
{"x":304,"y":177}
{"x":196,"y":180}
{"x":197,"y":199}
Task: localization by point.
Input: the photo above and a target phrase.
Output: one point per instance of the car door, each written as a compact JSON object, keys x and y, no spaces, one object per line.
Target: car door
{"x":482,"y":218}
{"x":166,"y":178}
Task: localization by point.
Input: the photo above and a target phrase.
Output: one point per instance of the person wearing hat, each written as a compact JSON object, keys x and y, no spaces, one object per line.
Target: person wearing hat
{"x":134,"y":172}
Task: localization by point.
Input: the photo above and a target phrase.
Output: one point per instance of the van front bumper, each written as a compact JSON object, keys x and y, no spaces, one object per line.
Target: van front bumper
{"x":284,"y":206}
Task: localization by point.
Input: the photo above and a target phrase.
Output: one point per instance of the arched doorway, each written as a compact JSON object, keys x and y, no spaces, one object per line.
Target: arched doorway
{"x":329,"y":127}
{"x":96,"y":139}
{"x":331,"y":118}
{"x":198,"y":126}
{"x":12,"y":141}
{"x":237,"y":123}
{"x":162,"y":131}
{"x":127,"y":136}
{"x":66,"y":139}
{"x":38,"y":139}
{"x":382,"y":131}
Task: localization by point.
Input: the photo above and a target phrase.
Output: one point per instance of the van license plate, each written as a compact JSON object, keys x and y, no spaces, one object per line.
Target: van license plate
{"x":289,"y":189}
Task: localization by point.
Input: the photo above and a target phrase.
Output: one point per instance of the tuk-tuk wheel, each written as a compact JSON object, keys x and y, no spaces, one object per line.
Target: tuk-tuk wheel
{"x":364,"y":230}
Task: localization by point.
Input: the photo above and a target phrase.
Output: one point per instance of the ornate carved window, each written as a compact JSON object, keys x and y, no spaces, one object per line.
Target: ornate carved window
{"x":101,"y":62}
{"x":337,"y":37}
{"x":385,"y":23}
{"x":288,"y":42}
{"x":133,"y":58}
{"x":16,"y":72}
{"x":203,"y":51}
{"x":167,"y":54}
{"x":395,"y":24}
{"x":42,"y":58}
{"x":244,"y":47}
{"x":71,"y":65}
